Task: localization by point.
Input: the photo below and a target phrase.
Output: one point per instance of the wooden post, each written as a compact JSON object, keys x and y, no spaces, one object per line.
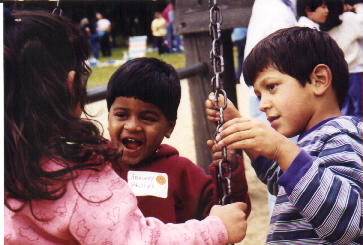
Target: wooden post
{"x":229,"y":74}
{"x":196,"y":50}
{"x":200,"y":86}
{"x":192,"y":21}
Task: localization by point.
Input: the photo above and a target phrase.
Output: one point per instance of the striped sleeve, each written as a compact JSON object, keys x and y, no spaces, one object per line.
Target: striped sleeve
{"x":268,"y":171}
{"x":327,"y":191}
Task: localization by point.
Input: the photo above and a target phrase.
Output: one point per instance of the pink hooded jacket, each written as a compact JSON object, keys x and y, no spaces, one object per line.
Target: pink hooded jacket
{"x":99,"y":208}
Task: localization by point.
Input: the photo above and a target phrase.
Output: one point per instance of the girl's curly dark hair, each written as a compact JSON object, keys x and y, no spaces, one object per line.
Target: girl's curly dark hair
{"x":40,"y":50}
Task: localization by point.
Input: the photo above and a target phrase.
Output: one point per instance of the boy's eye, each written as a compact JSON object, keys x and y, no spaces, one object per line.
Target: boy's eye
{"x":271,"y":86}
{"x":120,"y":115}
{"x":149,"y":118}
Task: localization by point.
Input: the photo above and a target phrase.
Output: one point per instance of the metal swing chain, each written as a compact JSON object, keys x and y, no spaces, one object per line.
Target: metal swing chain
{"x":216,"y":57}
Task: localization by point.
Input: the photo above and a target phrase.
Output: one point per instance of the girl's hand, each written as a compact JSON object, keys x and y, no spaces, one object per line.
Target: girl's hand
{"x":213,"y":114}
{"x":234,"y":218}
{"x":257,"y":138}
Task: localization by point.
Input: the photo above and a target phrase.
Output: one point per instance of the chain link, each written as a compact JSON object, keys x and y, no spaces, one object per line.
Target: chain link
{"x":216,"y":57}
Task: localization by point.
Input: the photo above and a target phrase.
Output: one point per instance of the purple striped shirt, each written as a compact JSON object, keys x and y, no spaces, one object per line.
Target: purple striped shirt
{"x":319,"y":197}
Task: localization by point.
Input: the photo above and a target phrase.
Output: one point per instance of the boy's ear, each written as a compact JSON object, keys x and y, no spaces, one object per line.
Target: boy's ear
{"x":321,"y":79}
{"x":171,"y":128}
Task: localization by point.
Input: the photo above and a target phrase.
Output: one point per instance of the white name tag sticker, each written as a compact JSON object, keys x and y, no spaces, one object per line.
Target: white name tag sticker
{"x":145,"y":183}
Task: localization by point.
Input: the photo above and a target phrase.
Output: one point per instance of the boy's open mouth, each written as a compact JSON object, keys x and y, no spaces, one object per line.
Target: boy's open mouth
{"x":131,"y":144}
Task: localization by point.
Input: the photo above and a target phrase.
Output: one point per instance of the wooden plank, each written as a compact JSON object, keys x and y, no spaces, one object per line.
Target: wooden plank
{"x":197,"y":48}
{"x":229,"y":74}
{"x":100,"y":92}
{"x":196,"y":51}
{"x":192,"y":16}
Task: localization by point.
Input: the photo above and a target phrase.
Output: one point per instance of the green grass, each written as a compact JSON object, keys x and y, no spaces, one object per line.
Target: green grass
{"x":101,"y":75}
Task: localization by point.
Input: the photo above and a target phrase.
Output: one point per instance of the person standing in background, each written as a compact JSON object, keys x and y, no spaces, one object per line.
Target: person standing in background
{"x":312,"y":13}
{"x":103,"y":27}
{"x":173,"y":40}
{"x":92,"y":36}
{"x":346,"y":28}
{"x":238,"y":36}
{"x":158,"y":28}
{"x":269,"y":16}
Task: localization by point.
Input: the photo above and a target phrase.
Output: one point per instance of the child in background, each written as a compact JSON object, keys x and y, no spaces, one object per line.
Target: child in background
{"x":346,"y":28}
{"x":159,"y":31}
{"x":318,"y":182}
{"x":311,"y":13}
{"x":143,"y":96}
{"x":60,"y":187}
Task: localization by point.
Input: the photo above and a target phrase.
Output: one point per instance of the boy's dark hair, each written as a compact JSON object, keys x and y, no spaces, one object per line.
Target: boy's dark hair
{"x":301,"y":6}
{"x":296,"y":51}
{"x":150,"y":80}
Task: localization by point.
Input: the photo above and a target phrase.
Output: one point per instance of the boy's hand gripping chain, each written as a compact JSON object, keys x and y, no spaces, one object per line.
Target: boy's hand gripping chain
{"x":216,"y":56}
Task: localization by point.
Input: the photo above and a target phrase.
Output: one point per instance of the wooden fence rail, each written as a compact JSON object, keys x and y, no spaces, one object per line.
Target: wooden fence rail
{"x":99,"y":93}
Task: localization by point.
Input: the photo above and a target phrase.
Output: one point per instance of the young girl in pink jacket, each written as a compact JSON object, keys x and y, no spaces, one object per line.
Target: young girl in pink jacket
{"x":59,"y":184}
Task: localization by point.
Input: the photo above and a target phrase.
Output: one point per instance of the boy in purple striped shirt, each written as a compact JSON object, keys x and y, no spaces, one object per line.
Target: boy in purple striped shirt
{"x":301,"y":79}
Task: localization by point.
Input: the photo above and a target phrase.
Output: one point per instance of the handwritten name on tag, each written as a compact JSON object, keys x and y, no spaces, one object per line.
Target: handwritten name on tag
{"x":145,"y":183}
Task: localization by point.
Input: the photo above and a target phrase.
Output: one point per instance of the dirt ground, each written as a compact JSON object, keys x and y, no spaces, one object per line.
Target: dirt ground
{"x":183,"y":139}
